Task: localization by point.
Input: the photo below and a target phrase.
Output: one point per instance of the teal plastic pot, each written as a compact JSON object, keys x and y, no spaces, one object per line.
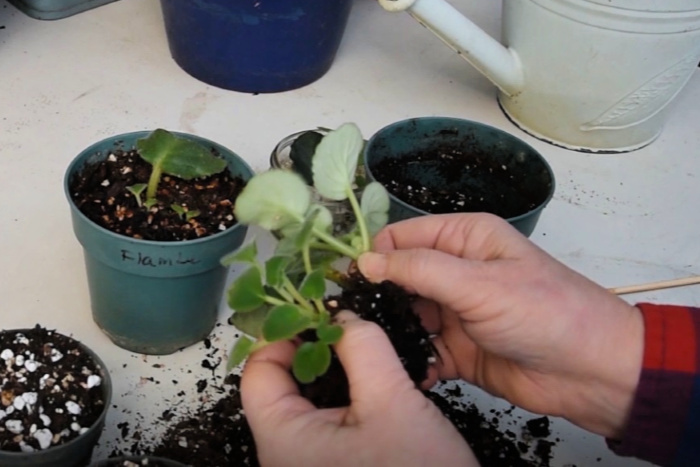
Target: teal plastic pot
{"x":153,"y":297}
{"x":56,"y":9}
{"x":494,"y":162}
{"x":150,"y":461}
{"x":76,"y":452}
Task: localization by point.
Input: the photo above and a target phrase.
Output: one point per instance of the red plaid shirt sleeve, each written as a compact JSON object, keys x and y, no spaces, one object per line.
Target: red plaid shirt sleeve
{"x":664,"y":425}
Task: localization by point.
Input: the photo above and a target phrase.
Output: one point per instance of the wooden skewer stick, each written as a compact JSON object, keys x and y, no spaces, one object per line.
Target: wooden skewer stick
{"x":656,"y":285}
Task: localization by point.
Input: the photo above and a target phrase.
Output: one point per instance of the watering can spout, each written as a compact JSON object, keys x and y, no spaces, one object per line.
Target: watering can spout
{"x":498,"y":63}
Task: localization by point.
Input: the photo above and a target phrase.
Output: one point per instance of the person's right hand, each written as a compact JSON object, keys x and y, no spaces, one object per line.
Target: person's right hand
{"x":515,"y":321}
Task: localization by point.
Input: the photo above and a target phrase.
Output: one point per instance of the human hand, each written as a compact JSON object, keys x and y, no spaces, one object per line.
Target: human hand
{"x":513,"y":320}
{"x":389,"y":421}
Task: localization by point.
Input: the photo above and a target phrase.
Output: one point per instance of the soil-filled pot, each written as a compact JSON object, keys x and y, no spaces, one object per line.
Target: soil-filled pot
{"x":137,"y":461}
{"x":148,"y":296}
{"x":437,"y":165}
{"x":268,"y":46}
{"x":55,"y":396}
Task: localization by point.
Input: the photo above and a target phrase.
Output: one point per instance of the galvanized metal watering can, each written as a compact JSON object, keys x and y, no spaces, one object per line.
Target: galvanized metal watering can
{"x":589,"y":75}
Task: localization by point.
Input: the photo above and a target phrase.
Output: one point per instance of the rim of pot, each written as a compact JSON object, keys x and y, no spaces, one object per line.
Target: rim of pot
{"x":540,"y":206}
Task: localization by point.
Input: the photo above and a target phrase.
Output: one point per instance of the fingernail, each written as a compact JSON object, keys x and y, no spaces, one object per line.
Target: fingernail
{"x":372,"y":265}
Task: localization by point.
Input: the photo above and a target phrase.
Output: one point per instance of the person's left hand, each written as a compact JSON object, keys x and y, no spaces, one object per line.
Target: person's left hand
{"x":389,"y":421}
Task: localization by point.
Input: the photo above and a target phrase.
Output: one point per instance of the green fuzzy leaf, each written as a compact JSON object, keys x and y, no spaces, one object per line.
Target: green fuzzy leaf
{"x":251,"y":322}
{"x":246,"y":293}
{"x":375,"y":207}
{"x":286,"y":246}
{"x":311,"y":360}
{"x":313,"y":286}
{"x":329,"y":333}
{"x":304,"y":235}
{"x":301,"y":152}
{"x":273,"y":200}
{"x":284,"y":322}
{"x":179,"y":156}
{"x":275,"y":270}
{"x":335,"y":161}
{"x":246,"y":254}
{"x":241,"y":350}
{"x":322,"y":220}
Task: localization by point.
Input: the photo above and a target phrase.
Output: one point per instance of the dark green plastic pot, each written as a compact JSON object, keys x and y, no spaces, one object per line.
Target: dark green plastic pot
{"x":153,"y":297}
{"x":529,"y":174}
{"x":150,"y":461}
{"x":76,"y":452}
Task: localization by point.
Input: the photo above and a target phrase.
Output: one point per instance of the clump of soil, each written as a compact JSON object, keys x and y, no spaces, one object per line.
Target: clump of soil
{"x":100,"y":192}
{"x":51,"y":390}
{"x":390,"y":307}
{"x":448,"y":179}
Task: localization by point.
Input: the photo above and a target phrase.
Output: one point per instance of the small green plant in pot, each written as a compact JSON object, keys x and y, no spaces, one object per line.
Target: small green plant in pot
{"x":284,"y":296}
{"x":154,"y":214}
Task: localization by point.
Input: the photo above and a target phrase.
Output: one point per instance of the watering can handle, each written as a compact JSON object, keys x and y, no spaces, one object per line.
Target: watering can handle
{"x":499,"y":64}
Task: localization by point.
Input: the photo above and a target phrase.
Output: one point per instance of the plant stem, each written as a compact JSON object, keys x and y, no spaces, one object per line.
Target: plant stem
{"x":153,"y":182}
{"x":289,"y":287}
{"x":336,"y":245}
{"x":306,"y":255}
{"x":274,"y":300}
{"x":361,"y":224}
{"x":285,"y":295}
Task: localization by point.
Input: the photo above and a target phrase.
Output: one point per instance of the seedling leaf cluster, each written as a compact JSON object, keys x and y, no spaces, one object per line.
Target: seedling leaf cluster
{"x":283,"y":297}
{"x":177,"y":156}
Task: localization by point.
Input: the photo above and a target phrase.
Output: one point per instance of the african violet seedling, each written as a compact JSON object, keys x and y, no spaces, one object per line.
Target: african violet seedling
{"x":173,"y":155}
{"x":284,"y":296}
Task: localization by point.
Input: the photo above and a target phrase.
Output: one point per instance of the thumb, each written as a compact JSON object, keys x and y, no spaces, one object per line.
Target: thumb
{"x":268,"y":392}
{"x":371,"y":364}
{"x":429,"y":273}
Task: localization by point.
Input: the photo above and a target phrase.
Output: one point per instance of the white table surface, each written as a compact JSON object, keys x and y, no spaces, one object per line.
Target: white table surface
{"x":619,"y":219}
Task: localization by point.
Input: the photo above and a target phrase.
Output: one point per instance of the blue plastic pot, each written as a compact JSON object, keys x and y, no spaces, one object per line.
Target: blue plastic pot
{"x":255,"y":46}
{"x":153,"y":297}
{"x":518,"y":170}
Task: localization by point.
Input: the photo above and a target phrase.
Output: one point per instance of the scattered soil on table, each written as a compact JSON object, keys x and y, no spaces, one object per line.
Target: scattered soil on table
{"x":137,"y":461}
{"x":219,"y":435}
{"x":448,"y":179}
{"x":51,"y":389}
{"x":100,"y":192}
